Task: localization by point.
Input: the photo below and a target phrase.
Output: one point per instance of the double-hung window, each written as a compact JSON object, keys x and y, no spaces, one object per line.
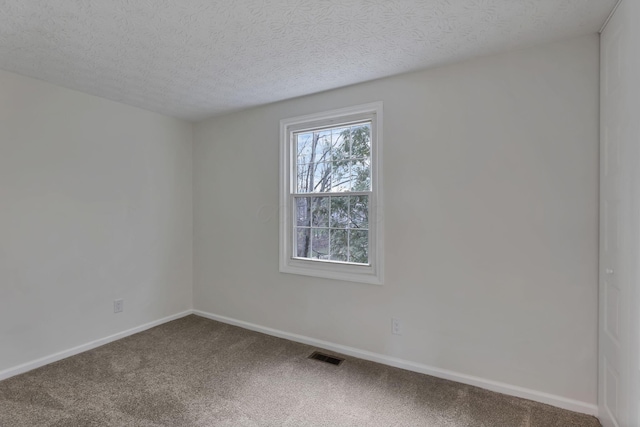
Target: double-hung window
{"x":331,"y":195}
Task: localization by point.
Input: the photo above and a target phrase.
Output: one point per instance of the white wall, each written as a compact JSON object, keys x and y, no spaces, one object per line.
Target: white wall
{"x":95,"y":204}
{"x":491,"y":191}
{"x":619,"y":333}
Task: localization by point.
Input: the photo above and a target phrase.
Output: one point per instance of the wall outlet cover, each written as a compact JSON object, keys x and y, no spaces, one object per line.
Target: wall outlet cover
{"x":118,"y":306}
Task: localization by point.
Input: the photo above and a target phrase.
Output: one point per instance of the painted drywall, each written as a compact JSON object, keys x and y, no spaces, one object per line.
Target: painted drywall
{"x":491,"y":217}
{"x":619,"y":332}
{"x":96,"y":204}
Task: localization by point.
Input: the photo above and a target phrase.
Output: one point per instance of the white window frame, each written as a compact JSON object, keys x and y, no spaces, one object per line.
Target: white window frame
{"x":369,"y":273}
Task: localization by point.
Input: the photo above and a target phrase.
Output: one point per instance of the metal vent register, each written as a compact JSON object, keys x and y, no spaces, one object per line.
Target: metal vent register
{"x":316,"y":355}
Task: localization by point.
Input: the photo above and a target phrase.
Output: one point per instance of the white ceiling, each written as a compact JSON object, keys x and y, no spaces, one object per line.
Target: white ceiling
{"x":198,"y":58}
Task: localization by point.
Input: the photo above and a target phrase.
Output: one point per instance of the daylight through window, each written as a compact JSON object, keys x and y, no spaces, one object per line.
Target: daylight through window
{"x":333,"y":176}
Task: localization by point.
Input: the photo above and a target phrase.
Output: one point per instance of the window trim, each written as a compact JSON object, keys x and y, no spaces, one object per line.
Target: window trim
{"x":371,"y":273}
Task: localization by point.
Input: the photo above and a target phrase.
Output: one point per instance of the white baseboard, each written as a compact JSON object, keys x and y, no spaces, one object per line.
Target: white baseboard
{"x":538,"y":396}
{"x":512,"y":390}
{"x":25,"y":367}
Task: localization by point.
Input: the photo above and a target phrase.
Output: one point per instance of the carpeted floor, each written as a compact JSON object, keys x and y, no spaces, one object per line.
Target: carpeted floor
{"x":198,"y":372}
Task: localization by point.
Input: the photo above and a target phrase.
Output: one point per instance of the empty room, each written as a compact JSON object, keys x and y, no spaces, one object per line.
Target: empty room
{"x":320,"y":213}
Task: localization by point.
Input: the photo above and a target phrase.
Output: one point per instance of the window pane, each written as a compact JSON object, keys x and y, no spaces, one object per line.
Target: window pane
{"x":303,"y":242}
{"x":339,"y":212}
{"x":341,"y":144}
{"x":321,"y":151}
{"x":339,"y":245}
{"x":303,"y":211}
{"x":361,"y":141}
{"x":313,"y":147}
{"x":320,"y":243}
{"x":322,"y":177}
{"x":359,"y":212}
{"x":304,"y":145}
{"x":340,"y":179}
{"x":314,"y":177}
{"x":302,"y":178}
{"x":360,"y":175}
{"x":359,"y":246}
{"x":320,"y":211}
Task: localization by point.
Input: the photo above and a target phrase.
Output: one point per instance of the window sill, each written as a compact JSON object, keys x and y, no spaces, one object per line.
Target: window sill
{"x":332,"y":270}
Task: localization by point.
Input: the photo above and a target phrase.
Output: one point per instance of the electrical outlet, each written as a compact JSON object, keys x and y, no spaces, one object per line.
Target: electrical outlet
{"x":396,"y":326}
{"x":118,"y":306}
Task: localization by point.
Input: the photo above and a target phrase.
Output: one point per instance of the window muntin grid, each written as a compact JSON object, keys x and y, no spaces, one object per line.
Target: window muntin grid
{"x":332,"y":193}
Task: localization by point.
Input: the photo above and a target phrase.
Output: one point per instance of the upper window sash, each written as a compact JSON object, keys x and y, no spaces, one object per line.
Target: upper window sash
{"x":334,"y":159}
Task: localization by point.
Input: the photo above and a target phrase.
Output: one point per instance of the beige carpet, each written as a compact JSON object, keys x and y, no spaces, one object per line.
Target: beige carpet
{"x":197,"y":372}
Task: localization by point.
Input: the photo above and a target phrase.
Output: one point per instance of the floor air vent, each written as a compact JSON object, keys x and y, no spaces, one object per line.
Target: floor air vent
{"x":316,"y":355}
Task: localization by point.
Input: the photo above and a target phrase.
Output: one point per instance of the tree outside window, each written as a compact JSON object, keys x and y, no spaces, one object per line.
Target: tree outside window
{"x":333,"y":185}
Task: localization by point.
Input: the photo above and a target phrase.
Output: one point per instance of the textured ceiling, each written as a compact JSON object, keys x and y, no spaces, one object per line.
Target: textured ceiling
{"x":198,"y":58}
